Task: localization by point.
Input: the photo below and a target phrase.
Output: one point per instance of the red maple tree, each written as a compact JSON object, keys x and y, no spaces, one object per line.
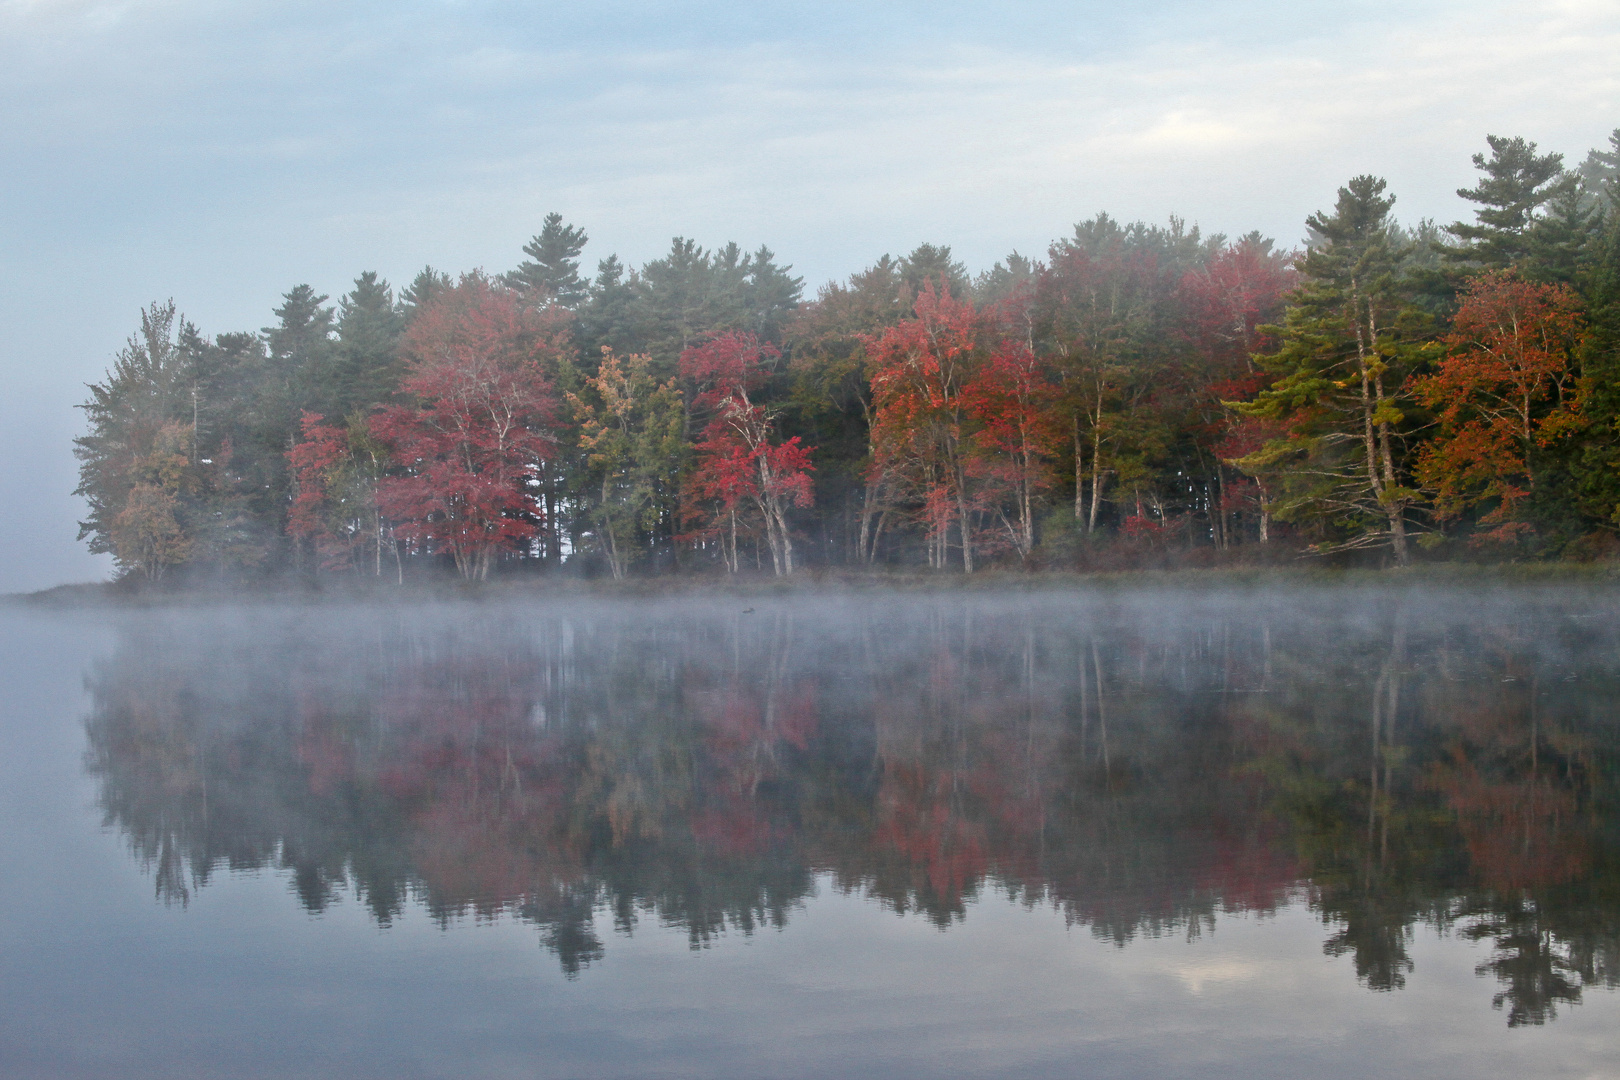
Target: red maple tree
{"x":468,"y":451}
{"x":919,"y":369}
{"x":1016,"y":434}
{"x":738,"y":460}
{"x":1506,"y":385}
{"x":322,"y":451}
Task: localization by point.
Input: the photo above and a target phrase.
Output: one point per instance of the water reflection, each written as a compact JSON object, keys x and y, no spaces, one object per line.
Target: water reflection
{"x":1140,"y":763}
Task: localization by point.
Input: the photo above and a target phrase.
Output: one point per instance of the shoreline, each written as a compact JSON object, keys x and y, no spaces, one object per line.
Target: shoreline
{"x":114,"y":594}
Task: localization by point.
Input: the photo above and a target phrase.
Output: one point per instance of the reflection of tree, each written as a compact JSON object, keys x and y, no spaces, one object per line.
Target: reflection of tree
{"x":1528,"y":961}
{"x":1140,"y":774}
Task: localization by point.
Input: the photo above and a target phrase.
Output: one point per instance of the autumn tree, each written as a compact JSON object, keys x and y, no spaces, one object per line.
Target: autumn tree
{"x":465,"y":452}
{"x":831,"y":397}
{"x":1015,"y":435}
{"x":739,"y":454}
{"x":918,"y":371}
{"x":629,"y":428}
{"x":1222,"y":306}
{"x":336,"y":471}
{"x":1103,"y":309}
{"x":1504,"y":390}
{"x":146,"y":534}
{"x":144,"y":390}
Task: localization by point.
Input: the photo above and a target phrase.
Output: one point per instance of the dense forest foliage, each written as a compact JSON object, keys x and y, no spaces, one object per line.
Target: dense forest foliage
{"x":1140,"y":394}
{"x":1140,"y":764}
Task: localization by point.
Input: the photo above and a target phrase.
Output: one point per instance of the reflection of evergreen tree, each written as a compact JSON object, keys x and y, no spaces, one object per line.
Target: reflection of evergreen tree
{"x":1535,"y":973}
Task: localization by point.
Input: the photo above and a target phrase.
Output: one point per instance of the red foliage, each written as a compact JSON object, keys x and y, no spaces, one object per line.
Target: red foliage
{"x":313,"y":461}
{"x":1017,"y":431}
{"x":468,"y":452}
{"x":918,"y":371}
{"x":1225,"y":302}
{"x":1505,"y":386}
{"x":737,"y":460}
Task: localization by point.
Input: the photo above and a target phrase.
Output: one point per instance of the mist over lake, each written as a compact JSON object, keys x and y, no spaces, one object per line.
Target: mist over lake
{"x":1144,"y":831}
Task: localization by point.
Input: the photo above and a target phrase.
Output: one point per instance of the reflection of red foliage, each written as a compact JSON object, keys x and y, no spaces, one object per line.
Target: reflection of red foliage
{"x":1521,"y":833}
{"x":745,"y":731}
{"x":1249,"y":869}
{"x":732,"y":825}
{"x":919,"y":820}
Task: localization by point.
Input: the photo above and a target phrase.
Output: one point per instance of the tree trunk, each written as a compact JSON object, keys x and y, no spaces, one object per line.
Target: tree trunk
{"x":964,"y":523}
{"x":1079,"y":473}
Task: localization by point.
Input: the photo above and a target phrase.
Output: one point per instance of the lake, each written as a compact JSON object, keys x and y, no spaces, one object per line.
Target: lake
{"x":1326,"y":831}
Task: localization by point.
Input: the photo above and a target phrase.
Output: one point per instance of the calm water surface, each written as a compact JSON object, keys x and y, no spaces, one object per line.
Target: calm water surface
{"x":1328,"y":832}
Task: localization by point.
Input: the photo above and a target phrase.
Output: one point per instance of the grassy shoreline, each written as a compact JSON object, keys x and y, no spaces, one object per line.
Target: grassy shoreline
{"x":1201,"y":579}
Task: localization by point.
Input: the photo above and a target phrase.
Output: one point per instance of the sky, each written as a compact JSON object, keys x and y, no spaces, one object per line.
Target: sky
{"x":221,"y":151}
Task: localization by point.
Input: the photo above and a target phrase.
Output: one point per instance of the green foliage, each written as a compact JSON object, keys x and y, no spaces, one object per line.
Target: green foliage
{"x":550,"y":275}
{"x":1351,"y":335}
{"x":631,"y":443}
{"x":1516,"y":184}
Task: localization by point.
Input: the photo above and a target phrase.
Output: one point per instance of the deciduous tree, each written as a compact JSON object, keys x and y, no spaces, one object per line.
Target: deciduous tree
{"x":1505,"y":389}
{"x":466,"y":452}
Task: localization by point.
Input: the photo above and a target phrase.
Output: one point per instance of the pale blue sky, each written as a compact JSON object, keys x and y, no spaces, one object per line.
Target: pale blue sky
{"x":220,"y":152}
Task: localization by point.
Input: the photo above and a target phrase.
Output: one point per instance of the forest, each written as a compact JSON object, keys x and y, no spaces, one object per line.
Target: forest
{"x":1141,"y":395}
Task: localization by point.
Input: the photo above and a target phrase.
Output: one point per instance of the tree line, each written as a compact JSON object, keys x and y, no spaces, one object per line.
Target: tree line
{"x":1140,"y":393}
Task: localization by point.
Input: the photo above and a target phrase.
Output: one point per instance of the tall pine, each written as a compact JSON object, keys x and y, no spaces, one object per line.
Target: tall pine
{"x":1347,"y":344}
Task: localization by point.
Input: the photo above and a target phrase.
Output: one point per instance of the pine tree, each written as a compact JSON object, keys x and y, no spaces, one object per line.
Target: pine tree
{"x":550,"y":275}
{"x":605,"y":317}
{"x":1596,"y":464}
{"x":1347,"y":341}
{"x":1600,"y":173}
{"x":301,"y":355}
{"x":368,"y":366}
{"x":1517,"y":183}
{"x":427,"y":284}
{"x":933,"y":263}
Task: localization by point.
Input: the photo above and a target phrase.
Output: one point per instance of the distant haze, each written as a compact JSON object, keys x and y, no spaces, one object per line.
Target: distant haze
{"x":221,"y":152}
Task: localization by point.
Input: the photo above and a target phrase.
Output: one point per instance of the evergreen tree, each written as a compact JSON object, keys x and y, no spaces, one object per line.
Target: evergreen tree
{"x":1517,"y":183}
{"x":1558,"y":246}
{"x":1596,"y":459}
{"x":550,"y":275}
{"x":605,"y":319}
{"x":675,"y":303}
{"x":770,"y":295}
{"x":1001,"y":281}
{"x":144,"y":394}
{"x":933,"y":262}
{"x":1346,"y":346}
{"x":368,"y":366}
{"x":427,"y":284}
{"x":301,"y":356}
{"x":1600,"y":174}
